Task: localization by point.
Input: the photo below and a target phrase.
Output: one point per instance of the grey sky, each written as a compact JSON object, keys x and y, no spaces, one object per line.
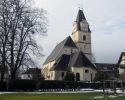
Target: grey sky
{"x":106,"y":19}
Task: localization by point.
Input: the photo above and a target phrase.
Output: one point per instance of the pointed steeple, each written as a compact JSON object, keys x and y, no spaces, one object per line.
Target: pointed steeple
{"x":80,"y":17}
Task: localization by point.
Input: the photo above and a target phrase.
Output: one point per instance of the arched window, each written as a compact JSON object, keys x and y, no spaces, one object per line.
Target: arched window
{"x":77,"y":77}
{"x":62,"y":74}
{"x":84,"y":38}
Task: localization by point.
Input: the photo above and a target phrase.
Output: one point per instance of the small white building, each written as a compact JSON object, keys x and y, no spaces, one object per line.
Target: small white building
{"x":31,"y":73}
{"x":72,"y":54}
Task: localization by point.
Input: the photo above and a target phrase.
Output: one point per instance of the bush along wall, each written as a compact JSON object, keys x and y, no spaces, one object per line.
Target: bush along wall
{"x":45,"y":85}
{"x":3,"y":86}
{"x":21,"y":85}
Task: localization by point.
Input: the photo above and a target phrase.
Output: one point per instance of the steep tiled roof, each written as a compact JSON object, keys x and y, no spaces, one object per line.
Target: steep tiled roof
{"x":62,"y":63}
{"x":78,"y":59}
{"x":68,"y":42}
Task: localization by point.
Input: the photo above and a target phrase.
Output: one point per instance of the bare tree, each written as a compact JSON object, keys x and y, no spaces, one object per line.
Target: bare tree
{"x":4,"y":30}
{"x":19,"y":23}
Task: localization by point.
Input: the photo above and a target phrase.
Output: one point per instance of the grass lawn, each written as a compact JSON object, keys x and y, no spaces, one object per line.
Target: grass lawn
{"x":58,"y":96}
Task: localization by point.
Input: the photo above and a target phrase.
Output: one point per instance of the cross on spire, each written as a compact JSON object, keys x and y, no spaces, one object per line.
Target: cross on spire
{"x":80,"y":6}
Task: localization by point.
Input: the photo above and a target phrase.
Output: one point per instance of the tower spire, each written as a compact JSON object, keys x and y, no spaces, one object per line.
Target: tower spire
{"x":80,"y":16}
{"x":82,"y":34}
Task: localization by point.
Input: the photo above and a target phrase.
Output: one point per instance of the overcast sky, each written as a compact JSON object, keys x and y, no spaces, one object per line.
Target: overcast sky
{"x":106,"y":19}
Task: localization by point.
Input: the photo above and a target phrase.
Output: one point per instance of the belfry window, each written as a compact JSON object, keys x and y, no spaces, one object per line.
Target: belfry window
{"x":84,"y":38}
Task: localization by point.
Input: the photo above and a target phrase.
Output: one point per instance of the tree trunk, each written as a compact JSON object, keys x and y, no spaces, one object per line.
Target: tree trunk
{"x":2,"y":76}
{"x":13,"y":75}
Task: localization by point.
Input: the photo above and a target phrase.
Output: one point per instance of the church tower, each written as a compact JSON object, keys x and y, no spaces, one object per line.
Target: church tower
{"x":81,"y":34}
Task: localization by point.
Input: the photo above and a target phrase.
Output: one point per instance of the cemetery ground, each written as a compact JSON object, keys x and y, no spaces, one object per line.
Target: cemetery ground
{"x":61,"y":96}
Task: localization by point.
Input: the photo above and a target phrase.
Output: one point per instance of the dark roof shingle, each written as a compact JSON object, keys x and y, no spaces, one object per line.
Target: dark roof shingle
{"x":80,"y":16}
{"x":78,"y":59}
{"x":62,"y":63}
{"x":68,"y":42}
{"x":105,"y":66}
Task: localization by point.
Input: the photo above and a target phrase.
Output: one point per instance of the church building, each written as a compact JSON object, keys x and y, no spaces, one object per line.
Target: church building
{"x":73,"y":54}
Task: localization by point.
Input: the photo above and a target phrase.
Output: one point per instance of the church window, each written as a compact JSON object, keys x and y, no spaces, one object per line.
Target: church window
{"x":84,"y":38}
{"x":86,"y":71}
{"x":77,"y":77}
{"x":62,"y":74}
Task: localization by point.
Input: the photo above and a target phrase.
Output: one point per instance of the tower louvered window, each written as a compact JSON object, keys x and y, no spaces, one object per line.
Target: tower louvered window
{"x":84,"y":38}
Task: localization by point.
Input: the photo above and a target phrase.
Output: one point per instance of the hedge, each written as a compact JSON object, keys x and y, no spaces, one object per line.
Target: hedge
{"x":21,"y":85}
{"x":31,"y":85}
{"x":3,"y":86}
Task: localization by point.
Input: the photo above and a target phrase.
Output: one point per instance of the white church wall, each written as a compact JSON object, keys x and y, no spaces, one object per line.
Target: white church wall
{"x":86,"y":49}
{"x":87,"y":34}
{"x":78,"y":70}
{"x":121,"y":70}
{"x":75,"y":36}
{"x":90,"y":74}
{"x":46,"y":70}
{"x":83,"y":75}
{"x":52,"y":75}
{"x":122,"y":60}
{"x":59,"y":76}
{"x":56,"y":75}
